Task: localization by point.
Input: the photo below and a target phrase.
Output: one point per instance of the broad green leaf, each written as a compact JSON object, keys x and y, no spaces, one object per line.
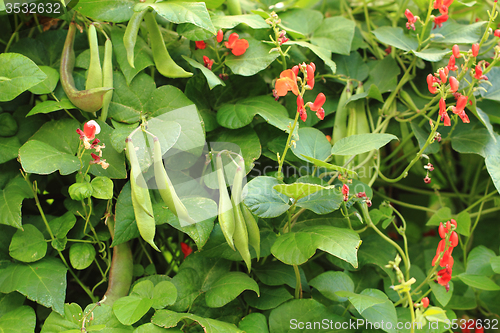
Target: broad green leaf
{"x":478,"y":281}
{"x":442,"y":215}
{"x":60,"y":226}
{"x":431,"y":54}
{"x":329,"y":166}
{"x":493,"y":167}
{"x":143,"y":56}
{"x":263,"y":200}
{"x":71,"y":319}
{"x":254,"y":323}
{"x":373,"y":252}
{"x":335,"y":34}
{"x":125,"y":224}
{"x":109,"y":10}
{"x":379,"y":312}
{"x":167,"y":319}
{"x":49,"y":84}
{"x":435,"y":314}
{"x":286,"y":317}
{"x":484,"y":119}
{"x":120,"y":133}
{"x":130,"y":309}
{"x":493,"y":88}
{"x":20,"y":320}
{"x":478,"y":261}
{"x":242,"y":113}
{"x":330,"y":282}
{"x":361,"y":301}
{"x":395,"y":36}
{"x":28,"y":245}
{"x":270,"y":297}
{"x":228,"y":287}
{"x":256,"y":58}
{"x":351,"y":65}
{"x":230,"y":21}
{"x":361,"y":143}
{"x":194,"y":33}
{"x":383,"y":76}
{"x":323,"y":202}
{"x":81,"y":255}
{"x":302,"y":20}
{"x":41,"y":158}
{"x":442,"y":295}
{"x":299,"y":190}
{"x":297,"y":247}
{"x":164,"y":293}
{"x":463,"y":298}
{"x":322,"y":52}
{"x":211,"y":4}
{"x":11,"y":199}
{"x":11,"y":301}
{"x":17,"y":74}
{"x":143,"y":289}
{"x":9,"y":148}
{"x":312,"y":143}
{"x":422,"y":134}
{"x":212,"y":79}
{"x":277,"y":273}
{"x":102,"y":188}
{"x":182,"y":12}
{"x":51,"y":106}
{"x":474,"y":141}
{"x":454,"y":33}
{"x":43,"y":281}
{"x":152,"y":328}
{"x":495,"y":264}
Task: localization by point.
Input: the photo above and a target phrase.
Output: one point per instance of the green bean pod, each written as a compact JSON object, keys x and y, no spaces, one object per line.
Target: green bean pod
{"x":340,"y":124}
{"x":143,"y":209}
{"x":409,"y":101}
{"x":240,"y":230}
{"x":226,"y":212}
{"x":130,"y":36}
{"x":107,"y":77}
{"x":166,"y":189}
{"x":86,"y":100}
{"x":252,"y":228}
{"x":164,"y":63}
{"x":362,"y":127}
{"x":234,"y":7}
{"x":94,"y":73}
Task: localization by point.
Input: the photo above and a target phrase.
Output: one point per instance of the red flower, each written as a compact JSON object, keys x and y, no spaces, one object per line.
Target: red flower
{"x":459,"y":108}
{"x":431,"y":79}
{"x":447,"y":260}
{"x":453,"y":84}
{"x":208,"y":62}
{"x":452,"y":221}
{"x":454,"y":239}
{"x":451,"y":64}
{"x":411,"y":19}
{"x":345,"y":189}
{"x":497,"y":33}
{"x":220,"y":36}
{"x":427,"y":180}
{"x":286,"y":82}
{"x":310,"y":74}
{"x":301,"y":109}
{"x":456,"y":51}
{"x":475,"y":50}
{"x":442,"y":230}
{"x":425,"y":302}
{"x":478,"y":74}
{"x":200,"y":45}
{"x":443,"y":76}
{"x":186,"y":249}
{"x":317,"y":106}
{"x":236,"y":45}
{"x":442,"y":112}
{"x":90,"y":129}
{"x":444,"y":277}
{"x":295,"y":70}
{"x":438,"y":21}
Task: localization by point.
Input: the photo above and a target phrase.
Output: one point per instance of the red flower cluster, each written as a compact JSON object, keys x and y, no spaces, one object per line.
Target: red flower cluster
{"x":288,"y":82}
{"x":90,"y":129}
{"x":443,"y":6}
{"x":478,"y":73}
{"x":449,"y":240}
{"x":236,"y":45}
{"x":411,"y":19}
{"x":345,"y":192}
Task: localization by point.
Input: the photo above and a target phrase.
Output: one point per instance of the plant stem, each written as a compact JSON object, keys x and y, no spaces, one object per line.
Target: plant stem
{"x":281,"y":159}
{"x":298,"y":284}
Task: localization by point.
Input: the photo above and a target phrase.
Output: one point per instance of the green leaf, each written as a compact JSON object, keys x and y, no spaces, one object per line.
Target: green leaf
{"x":396,"y":37}
{"x":454,"y":33}
{"x":323,"y":53}
{"x":474,"y":141}
{"x":61,"y":225}
{"x":383,"y":76}
{"x":212,"y":79}
{"x":125,"y":224}
{"x":102,"y":188}
{"x":442,"y":215}
{"x":9,"y":148}
{"x":256,"y":58}
{"x":329,"y":166}
{"x":20,"y":320}
{"x":11,"y":199}
{"x":286,"y":317}
{"x":442,"y":295}
{"x":270,"y":297}
{"x":167,"y":319}
{"x":495,"y":264}
{"x":277,"y":273}
{"x":361,"y":143}
{"x":383,"y":311}
{"x":254,"y":21}
{"x":108,"y":10}
{"x":422,"y":134}
{"x":49,"y":84}
{"x":130,"y":309}
{"x":254,"y":323}
{"x":81,"y":255}
{"x":194,"y":33}
{"x":17,"y":74}
{"x":228,"y":287}
{"x":431,"y":54}
{"x":478,"y":261}
{"x":263,"y":200}
{"x":28,"y":245}
{"x":242,"y":113}
{"x":143,"y":289}
{"x":312,"y":143}
{"x":329,"y":283}
{"x":362,"y":301}
{"x":335,"y":34}
{"x":373,"y":252}
{"x":143,"y":56}
{"x":478,"y":281}
{"x":51,"y":106}
{"x":302,"y":20}
{"x":435,"y":314}
{"x":352,"y":66}
{"x":323,"y":202}
{"x":11,"y":301}
{"x":182,"y":12}
{"x":164,"y":293}
{"x":493,"y":167}
{"x":299,"y":190}
{"x":152,"y":328}
{"x":43,"y":281}
{"x":297,"y":247}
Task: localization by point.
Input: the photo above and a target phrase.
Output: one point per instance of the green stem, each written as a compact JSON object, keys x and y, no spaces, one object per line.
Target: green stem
{"x":404,"y":204}
{"x":282,"y":158}
{"x":467,"y":242}
{"x":298,"y":285}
